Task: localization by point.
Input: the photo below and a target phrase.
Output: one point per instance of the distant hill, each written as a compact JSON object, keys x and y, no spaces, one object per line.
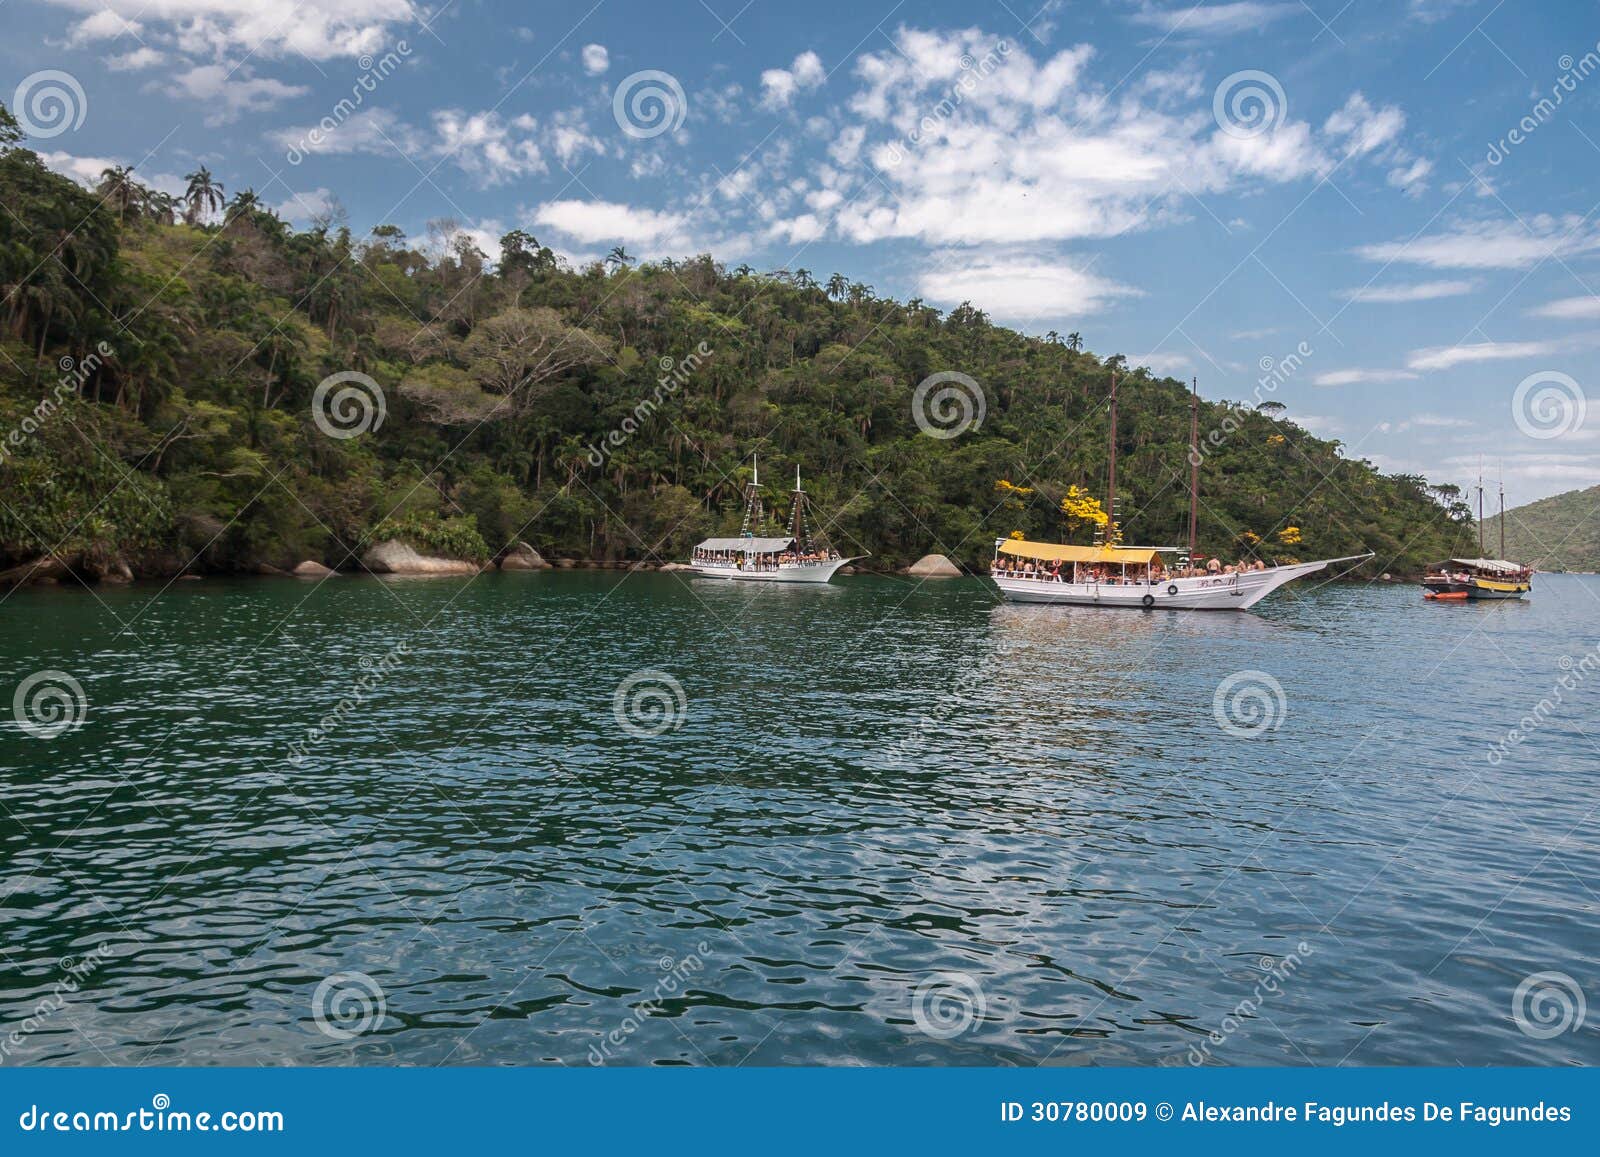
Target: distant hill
{"x":1557,"y":533}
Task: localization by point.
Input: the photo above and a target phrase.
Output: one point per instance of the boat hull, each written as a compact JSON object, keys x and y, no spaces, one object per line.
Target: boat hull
{"x":1493,"y":589}
{"x":1236,"y":592}
{"x":813,"y":572}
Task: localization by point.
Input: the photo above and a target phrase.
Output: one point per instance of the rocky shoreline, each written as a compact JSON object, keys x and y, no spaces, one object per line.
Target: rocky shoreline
{"x":392,"y":559}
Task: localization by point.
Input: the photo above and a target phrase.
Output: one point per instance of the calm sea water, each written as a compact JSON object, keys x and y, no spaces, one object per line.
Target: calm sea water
{"x":889,"y":824}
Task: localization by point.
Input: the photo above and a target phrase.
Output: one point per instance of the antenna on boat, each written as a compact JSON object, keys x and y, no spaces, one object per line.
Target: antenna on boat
{"x":1194,"y":460}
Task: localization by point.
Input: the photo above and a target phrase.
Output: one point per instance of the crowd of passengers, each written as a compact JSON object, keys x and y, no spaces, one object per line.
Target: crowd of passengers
{"x":765,"y":560}
{"x":1061,"y":572}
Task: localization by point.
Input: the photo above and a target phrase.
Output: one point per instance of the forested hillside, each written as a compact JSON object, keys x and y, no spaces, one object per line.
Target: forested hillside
{"x":159,"y":404}
{"x":1561,"y":532}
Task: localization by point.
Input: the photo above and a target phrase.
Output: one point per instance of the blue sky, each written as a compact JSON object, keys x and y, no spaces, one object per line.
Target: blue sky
{"x":1324,"y":194}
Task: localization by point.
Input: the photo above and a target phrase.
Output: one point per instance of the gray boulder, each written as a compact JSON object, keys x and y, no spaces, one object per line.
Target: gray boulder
{"x":521,"y":556}
{"x":934,"y":566}
{"x":396,"y":557}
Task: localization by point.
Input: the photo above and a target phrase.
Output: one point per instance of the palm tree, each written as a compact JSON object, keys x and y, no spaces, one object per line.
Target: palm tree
{"x":246,"y":202}
{"x":202,"y":195}
{"x":837,"y":284}
{"x":1074,"y":341}
{"x":618,"y":257}
{"x":118,"y":189}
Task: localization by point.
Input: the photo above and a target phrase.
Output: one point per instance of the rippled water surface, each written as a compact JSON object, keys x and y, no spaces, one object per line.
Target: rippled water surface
{"x":895,"y":824}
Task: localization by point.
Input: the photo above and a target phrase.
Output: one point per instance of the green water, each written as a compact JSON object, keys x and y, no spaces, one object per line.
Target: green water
{"x":877,"y":822}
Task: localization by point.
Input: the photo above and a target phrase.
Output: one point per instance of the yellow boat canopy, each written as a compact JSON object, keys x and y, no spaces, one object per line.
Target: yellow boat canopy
{"x":1059,"y":552}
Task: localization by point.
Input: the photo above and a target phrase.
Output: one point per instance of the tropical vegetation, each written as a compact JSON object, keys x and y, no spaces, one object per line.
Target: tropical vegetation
{"x":164,"y":402}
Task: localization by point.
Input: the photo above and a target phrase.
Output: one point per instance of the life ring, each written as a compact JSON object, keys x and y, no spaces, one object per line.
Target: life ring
{"x":1173,"y":589}
{"x":1149,"y":601}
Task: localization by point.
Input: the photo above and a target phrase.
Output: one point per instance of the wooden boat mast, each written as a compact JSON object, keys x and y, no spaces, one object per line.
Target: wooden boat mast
{"x":1480,"y":509}
{"x":1111,"y":475}
{"x":797,"y":521}
{"x":1194,"y":460}
{"x":1502,"y":510}
{"x":754,"y":515}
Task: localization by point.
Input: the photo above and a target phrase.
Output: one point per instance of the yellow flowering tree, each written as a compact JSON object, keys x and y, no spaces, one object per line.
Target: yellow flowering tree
{"x":1081,"y":509}
{"x":1289,"y":536}
{"x":1014,"y":497}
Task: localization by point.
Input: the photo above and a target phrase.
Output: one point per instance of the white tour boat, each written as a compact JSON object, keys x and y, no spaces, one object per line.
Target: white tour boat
{"x":1133,"y":576}
{"x":752,"y":557}
{"x":1122,"y":576}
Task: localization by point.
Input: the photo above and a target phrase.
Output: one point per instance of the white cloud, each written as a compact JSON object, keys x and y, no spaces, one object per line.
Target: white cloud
{"x":87,"y":170}
{"x":779,"y":85}
{"x":230,"y":93}
{"x":1411,"y":179}
{"x":595,"y":59}
{"x":136,"y":61}
{"x":1362,"y":128}
{"x":1447,"y":357}
{"x":1359,"y":377}
{"x":1168,"y":365}
{"x":974,"y":141}
{"x":571,"y":142}
{"x":607,"y":222}
{"x":1583,"y":308}
{"x":484,"y":145}
{"x":1213,"y":19}
{"x":487,"y":146}
{"x":102,"y":25}
{"x":371,"y":130}
{"x":301,"y":208}
{"x":1421,"y":291}
{"x":1500,"y":244}
{"x":319,"y":29}
{"x":1440,"y":422}
{"x":1019,"y":288}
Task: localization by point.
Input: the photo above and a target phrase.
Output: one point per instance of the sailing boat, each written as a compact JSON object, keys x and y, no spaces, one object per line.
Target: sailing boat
{"x":757,"y":557}
{"x":1111,"y":575}
{"x":1479,"y":578}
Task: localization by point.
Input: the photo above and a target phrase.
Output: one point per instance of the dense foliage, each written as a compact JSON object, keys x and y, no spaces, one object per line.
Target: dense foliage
{"x":1561,"y":532}
{"x":160,"y":361}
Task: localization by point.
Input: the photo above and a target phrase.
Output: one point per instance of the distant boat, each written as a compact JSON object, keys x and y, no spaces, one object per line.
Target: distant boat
{"x":756,"y":557}
{"x":1479,"y":578}
{"x":1476,"y":578}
